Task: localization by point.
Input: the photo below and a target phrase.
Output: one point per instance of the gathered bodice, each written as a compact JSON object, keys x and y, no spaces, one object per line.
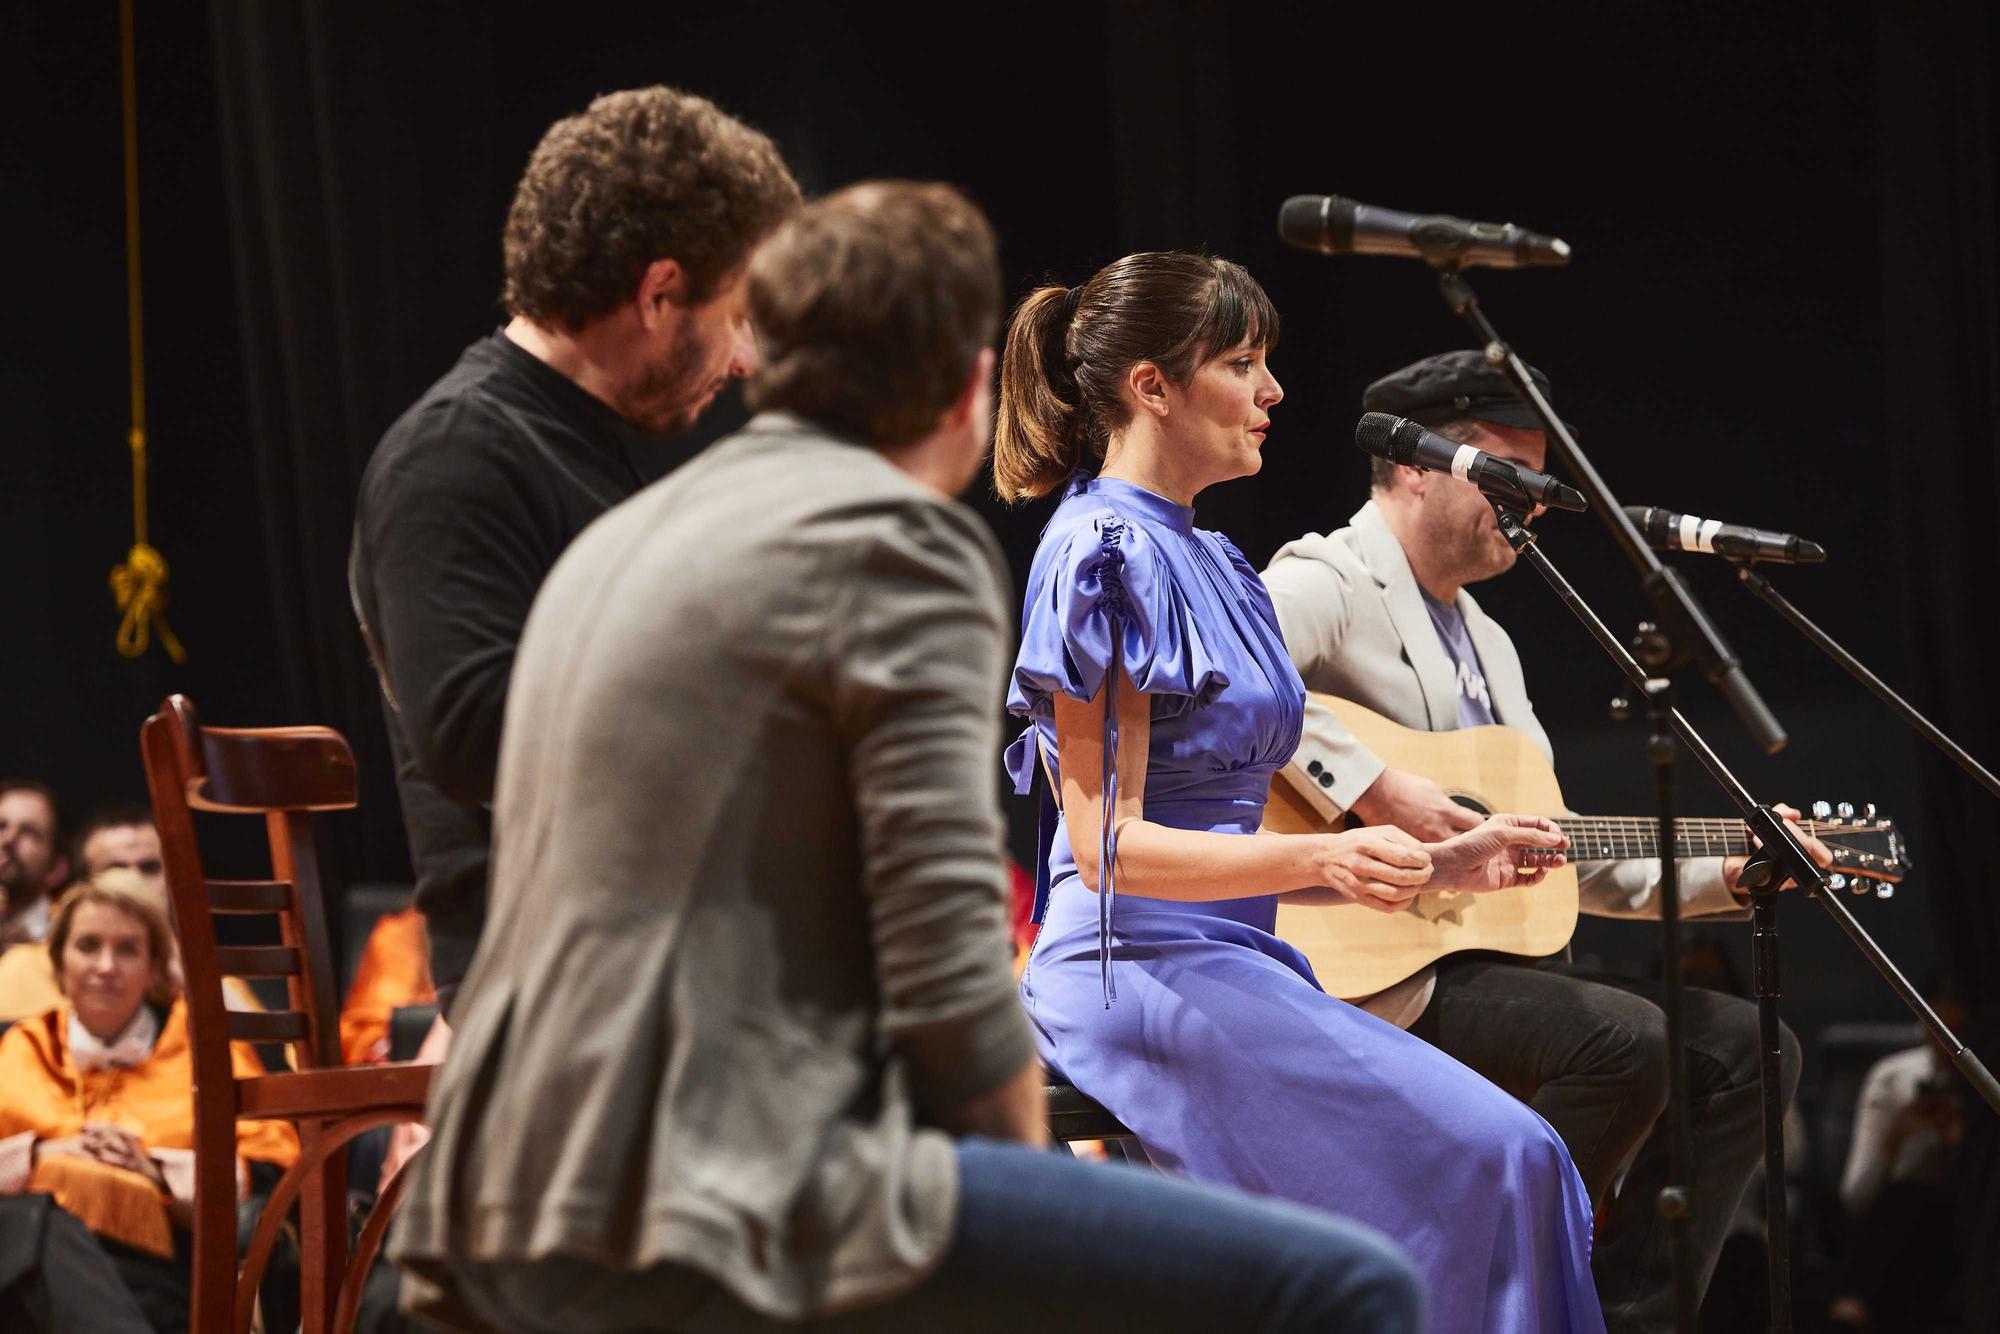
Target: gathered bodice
{"x":1123,"y":575}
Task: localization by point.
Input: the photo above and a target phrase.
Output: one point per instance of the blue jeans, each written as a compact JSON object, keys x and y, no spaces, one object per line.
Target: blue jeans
{"x":1043,"y":1243}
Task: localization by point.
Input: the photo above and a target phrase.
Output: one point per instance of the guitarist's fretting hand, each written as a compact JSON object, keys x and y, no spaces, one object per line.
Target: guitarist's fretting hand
{"x":1504,"y":852}
{"x":1415,"y":804}
{"x":1732,"y":867}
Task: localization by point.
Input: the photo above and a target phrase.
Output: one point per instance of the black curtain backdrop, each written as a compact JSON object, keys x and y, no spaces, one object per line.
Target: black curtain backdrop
{"x":1941,"y":393}
{"x":1782,"y":311}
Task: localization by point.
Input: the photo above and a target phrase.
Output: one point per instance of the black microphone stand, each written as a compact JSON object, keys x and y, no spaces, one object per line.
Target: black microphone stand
{"x":1962,"y":1057}
{"x":1656,"y":652}
{"x":1924,"y":727}
{"x":1780,"y":856}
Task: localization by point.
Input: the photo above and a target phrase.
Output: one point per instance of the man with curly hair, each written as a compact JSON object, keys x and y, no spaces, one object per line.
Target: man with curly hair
{"x":626,"y":251}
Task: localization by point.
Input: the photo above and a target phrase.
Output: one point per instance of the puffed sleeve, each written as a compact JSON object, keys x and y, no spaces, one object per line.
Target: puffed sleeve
{"x":1100,"y":593}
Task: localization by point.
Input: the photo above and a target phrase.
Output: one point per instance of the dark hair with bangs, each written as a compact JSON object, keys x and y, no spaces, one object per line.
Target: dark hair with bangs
{"x":1065,"y":359}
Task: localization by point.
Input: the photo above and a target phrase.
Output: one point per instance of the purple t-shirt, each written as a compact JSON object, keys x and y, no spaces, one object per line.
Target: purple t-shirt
{"x":1475,"y":706}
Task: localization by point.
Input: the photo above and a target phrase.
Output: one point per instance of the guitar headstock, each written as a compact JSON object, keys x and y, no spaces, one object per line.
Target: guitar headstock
{"x":1868,"y":850}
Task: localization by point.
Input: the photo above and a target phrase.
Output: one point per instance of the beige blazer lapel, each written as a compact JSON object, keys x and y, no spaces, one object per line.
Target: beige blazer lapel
{"x":1405,"y":602}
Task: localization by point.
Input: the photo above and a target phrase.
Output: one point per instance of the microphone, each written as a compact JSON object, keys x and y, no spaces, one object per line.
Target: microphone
{"x":1668,"y":531}
{"x":1400,"y":440}
{"x":1335,"y":226}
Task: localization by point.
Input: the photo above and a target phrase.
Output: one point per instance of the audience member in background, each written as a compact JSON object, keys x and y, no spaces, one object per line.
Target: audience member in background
{"x":32,"y":864}
{"x":394,"y":972}
{"x":741,"y":1048}
{"x":97,"y":1094}
{"x":624,"y":251}
{"x":1904,"y":1267}
{"x":121,"y":835}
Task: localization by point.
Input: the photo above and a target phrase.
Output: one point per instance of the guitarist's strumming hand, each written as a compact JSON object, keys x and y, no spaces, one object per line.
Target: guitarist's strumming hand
{"x":1415,"y":804}
{"x":1732,"y":867}
{"x":1504,"y":852}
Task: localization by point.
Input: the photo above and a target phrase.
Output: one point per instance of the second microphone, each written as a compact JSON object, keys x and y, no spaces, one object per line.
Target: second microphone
{"x":1402,"y":441}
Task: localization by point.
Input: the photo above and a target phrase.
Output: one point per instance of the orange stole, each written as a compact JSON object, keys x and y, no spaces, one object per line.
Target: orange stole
{"x":42,"y":1091}
{"x":395,"y":970}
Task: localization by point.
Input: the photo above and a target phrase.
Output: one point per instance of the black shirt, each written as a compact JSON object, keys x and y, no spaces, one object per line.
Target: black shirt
{"x":466,"y":504}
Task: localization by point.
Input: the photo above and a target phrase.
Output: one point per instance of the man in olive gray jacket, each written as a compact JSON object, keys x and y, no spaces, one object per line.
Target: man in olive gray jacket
{"x":1377,"y":613}
{"x":740,"y":1046}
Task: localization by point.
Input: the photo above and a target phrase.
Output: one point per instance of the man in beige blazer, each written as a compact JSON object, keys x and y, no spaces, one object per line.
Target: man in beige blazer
{"x":1378,"y":613}
{"x":740,"y":1046}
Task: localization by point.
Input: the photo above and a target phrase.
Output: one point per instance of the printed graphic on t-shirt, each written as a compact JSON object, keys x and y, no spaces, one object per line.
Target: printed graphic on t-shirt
{"x":1475,"y":705}
{"x":1472,"y":685}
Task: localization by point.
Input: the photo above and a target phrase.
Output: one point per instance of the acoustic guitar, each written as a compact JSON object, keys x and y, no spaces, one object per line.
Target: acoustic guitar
{"x":1357,"y":951}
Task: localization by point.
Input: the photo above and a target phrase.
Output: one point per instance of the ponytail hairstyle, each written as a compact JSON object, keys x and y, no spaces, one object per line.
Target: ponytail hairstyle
{"x":1067,"y":353}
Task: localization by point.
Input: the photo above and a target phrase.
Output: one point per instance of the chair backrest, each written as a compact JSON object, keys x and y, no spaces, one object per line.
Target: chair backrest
{"x":283,"y":774}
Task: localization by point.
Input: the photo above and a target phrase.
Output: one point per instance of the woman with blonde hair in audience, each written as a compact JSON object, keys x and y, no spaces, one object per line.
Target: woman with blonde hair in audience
{"x":97,"y":1094}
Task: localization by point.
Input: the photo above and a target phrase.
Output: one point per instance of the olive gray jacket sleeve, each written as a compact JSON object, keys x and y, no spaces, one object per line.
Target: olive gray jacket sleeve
{"x":919,"y":655}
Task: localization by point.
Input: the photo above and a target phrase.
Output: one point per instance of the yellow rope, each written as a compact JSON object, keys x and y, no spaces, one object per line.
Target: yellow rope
{"x":139,"y":584}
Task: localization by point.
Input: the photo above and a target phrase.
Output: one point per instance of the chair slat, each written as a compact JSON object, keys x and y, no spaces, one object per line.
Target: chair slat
{"x":250,"y":895}
{"x":268,"y":1026}
{"x":349,"y":1090}
{"x":257,"y":961}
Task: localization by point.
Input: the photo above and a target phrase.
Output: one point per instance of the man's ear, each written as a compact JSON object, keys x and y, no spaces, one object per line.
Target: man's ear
{"x":1147,"y":384}
{"x":976,"y":390}
{"x":1415,"y":480}
{"x":58,"y":873}
{"x":663,"y":289}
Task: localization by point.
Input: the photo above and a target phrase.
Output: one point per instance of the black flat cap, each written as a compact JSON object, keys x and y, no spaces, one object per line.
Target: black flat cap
{"x":1451,"y":386}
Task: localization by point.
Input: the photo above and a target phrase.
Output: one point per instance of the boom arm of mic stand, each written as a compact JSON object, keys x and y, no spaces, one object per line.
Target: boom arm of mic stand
{"x":1682,"y":617}
{"x":1903,"y":709}
{"x":1786,"y":856}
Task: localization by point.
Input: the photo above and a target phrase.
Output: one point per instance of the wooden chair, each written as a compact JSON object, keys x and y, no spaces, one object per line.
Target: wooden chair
{"x":283,"y":774}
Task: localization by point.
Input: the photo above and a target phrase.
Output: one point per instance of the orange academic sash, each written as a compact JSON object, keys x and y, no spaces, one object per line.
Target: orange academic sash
{"x":42,"y":1091}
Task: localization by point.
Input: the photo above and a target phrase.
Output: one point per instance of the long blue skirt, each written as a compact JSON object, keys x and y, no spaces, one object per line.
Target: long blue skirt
{"x":1224,"y":1056}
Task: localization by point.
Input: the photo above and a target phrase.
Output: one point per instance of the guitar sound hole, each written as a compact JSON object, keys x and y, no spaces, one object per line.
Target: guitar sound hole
{"x":1470,"y":803}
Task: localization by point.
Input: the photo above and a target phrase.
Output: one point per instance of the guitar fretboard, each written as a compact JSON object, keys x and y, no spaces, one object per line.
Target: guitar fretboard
{"x":1592,"y":837}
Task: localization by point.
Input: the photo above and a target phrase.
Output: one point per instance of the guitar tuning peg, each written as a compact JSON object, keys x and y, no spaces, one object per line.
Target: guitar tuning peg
{"x":1844,"y":809}
{"x":1885,"y":890}
{"x":1836,"y":881}
{"x":1821,"y":810}
{"x":1868,"y":810}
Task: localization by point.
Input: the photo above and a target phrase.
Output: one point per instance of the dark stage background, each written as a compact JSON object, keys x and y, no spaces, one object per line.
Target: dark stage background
{"x":1782,"y":311}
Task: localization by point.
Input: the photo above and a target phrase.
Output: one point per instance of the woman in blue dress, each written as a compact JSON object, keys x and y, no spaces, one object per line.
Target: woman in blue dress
{"x":1162,"y":700}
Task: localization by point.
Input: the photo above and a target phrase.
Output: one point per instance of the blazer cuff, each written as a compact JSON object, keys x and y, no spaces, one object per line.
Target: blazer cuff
{"x":1330,"y":782}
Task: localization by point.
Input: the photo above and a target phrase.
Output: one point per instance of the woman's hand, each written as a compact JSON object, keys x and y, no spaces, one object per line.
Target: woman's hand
{"x":1377,"y":866}
{"x":1503,"y":852}
{"x":118,"y":1147}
